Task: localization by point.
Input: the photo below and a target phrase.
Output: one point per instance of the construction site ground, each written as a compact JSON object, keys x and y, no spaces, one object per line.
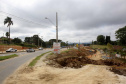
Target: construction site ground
{"x":47,"y":71}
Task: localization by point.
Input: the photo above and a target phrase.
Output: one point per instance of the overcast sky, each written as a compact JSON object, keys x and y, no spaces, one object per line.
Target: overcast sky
{"x":78,"y":20}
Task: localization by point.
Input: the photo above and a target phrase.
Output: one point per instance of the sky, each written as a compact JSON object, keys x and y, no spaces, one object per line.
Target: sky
{"x":78,"y":20}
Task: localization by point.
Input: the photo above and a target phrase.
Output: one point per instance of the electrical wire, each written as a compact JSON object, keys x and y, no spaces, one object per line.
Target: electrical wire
{"x":22,"y":18}
{"x":13,"y":8}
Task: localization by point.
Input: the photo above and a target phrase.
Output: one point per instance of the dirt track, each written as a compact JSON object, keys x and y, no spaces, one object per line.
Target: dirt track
{"x":44,"y":74}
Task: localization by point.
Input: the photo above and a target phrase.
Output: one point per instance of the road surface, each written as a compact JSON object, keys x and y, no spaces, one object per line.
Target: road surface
{"x":8,"y":66}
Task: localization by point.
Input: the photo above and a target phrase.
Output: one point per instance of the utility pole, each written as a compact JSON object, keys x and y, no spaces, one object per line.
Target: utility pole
{"x":38,"y":41}
{"x":56,"y":27}
{"x":41,"y":42}
{"x":3,"y":38}
{"x":79,"y":45}
{"x":92,"y":44}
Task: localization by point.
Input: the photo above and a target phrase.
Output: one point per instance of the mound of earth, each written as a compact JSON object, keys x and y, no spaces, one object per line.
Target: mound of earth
{"x":78,"y":59}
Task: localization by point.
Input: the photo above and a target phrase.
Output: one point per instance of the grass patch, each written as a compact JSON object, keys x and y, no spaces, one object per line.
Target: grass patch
{"x":51,"y":53}
{"x":34,"y":61}
{"x":98,"y":46}
{"x":7,"y":57}
{"x":66,"y":51}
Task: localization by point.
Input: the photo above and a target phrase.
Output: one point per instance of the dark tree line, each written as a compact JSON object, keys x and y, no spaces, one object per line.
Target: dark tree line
{"x":120,"y":35}
{"x":34,"y":41}
{"x":102,"y":40}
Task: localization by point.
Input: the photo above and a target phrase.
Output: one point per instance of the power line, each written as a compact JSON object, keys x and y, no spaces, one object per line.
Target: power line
{"x":13,"y":9}
{"x":22,"y":18}
{"x":50,"y":21}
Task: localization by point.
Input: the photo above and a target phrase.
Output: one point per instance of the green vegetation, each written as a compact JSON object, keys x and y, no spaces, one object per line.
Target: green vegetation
{"x":9,"y":22}
{"x":51,"y":53}
{"x":17,"y":41}
{"x":7,"y":57}
{"x":110,"y":47}
{"x":121,"y":35}
{"x":2,"y":44}
{"x":28,"y":45}
{"x":98,"y":46}
{"x":101,"y":39}
{"x":66,"y":51}
{"x":34,"y":61}
{"x":6,"y":44}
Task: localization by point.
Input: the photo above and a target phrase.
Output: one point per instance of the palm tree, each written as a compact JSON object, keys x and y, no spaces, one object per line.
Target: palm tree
{"x":7,"y":34}
{"x":9,"y":22}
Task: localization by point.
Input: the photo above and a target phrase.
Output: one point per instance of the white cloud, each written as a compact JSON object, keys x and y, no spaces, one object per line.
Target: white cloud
{"x":78,"y":20}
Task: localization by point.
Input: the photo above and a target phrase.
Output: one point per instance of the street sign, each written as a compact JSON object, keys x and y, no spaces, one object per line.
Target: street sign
{"x":56,"y":48}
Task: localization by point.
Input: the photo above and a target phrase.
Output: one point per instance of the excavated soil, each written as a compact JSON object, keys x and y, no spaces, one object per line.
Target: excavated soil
{"x":78,"y":59}
{"x":120,"y":71}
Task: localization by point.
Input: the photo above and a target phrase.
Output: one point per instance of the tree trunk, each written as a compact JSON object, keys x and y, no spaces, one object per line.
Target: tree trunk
{"x":9,"y":35}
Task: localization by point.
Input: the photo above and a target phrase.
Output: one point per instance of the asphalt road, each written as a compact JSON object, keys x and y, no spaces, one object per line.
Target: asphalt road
{"x":10,"y":53}
{"x":7,"y":67}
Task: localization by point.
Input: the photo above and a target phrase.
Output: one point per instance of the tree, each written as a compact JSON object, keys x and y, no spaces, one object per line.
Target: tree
{"x":101,"y":39}
{"x":50,"y":42}
{"x":107,"y":39}
{"x":95,"y":42}
{"x":9,"y":22}
{"x":28,"y":40}
{"x":17,"y":41}
{"x":121,"y":35}
{"x":7,"y":34}
{"x":114,"y":42}
{"x":35,"y":39}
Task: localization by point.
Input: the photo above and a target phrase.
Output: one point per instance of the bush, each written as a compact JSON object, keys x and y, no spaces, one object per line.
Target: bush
{"x":110,"y":47}
{"x":28,"y":45}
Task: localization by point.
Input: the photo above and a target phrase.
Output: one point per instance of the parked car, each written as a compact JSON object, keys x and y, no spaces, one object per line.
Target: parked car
{"x":11,"y":50}
{"x":40,"y":48}
{"x":30,"y":50}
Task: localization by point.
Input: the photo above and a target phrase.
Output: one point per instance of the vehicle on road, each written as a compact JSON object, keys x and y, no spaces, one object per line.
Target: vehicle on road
{"x":30,"y":50}
{"x":11,"y":50}
{"x":40,"y":48}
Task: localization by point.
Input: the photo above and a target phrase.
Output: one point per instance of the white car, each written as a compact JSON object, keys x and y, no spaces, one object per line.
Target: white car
{"x":40,"y":48}
{"x":11,"y":50}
